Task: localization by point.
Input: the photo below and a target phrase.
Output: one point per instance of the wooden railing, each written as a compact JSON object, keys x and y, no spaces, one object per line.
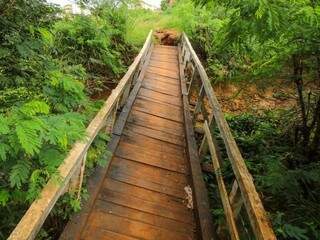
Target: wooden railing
{"x":72,"y":169}
{"x":205,"y":112}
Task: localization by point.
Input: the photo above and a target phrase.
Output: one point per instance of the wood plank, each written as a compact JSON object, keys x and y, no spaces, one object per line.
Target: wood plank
{"x":165,"y":156}
{"x":130,"y":228}
{"x":165,"y":85}
{"x":159,"y":110}
{"x":164,"y":65}
{"x":162,"y":48}
{"x":164,"y":55}
{"x":156,"y":123}
{"x":103,"y":234}
{"x":157,"y":101}
{"x":154,"y":76}
{"x":160,"y":89}
{"x":164,"y":59}
{"x":222,"y":188}
{"x":146,"y":183}
{"x":145,"y":206}
{"x":155,"y":134}
{"x":133,"y":214}
{"x":160,"y":97}
{"x":166,"y":46}
{"x":163,"y":72}
{"x":151,"y":143}
{"x":163,"y":80}
{"x":143,"y":156}
{"x":148,"y":173}
{"x":167,"y":201}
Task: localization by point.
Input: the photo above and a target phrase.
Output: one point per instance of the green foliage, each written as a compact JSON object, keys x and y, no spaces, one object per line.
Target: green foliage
{"x":164,"y":5}
{"x":96,"y":42}
{"x":48,"y":65}
{"x":290,"y":194}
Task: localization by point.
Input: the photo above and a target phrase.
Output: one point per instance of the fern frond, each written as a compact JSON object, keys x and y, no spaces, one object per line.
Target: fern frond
{"x":51,"y":158}
{"x":65,"y":129}
{"x":4,"y":148}
{"x":35,"y":107}
{"x":37,"y":180}
{"x":4,"y":197}
{"x":29,"y":133}
{"x":4,"y":125}
{"x":20,"y":173}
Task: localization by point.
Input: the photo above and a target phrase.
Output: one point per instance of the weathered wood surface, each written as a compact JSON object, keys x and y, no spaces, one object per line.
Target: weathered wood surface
{"x":222,"y":188}
{"x":142,"y":194}
{"x":33,"y":219}
{"x":252,"y":202}
{"x":200,"y":192}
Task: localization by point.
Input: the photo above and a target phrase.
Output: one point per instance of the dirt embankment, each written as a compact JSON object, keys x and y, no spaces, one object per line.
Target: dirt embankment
{"x":167,"y":37}
{"x":249,"y":98}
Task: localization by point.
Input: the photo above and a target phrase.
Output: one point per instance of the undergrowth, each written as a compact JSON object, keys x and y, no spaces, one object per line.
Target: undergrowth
{"x":289,"y":194}
{"x":50,"y":65}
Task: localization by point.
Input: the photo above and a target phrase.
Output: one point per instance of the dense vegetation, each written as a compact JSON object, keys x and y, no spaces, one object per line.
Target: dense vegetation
{"x":51,"y":64}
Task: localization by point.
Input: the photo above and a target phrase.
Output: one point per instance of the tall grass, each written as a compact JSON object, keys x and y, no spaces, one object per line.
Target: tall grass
{"x":181,"y":17}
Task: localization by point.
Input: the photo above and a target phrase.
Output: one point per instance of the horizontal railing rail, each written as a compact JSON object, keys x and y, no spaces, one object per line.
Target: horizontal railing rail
{"x":72,"y":169}
{"x":205,"y":109}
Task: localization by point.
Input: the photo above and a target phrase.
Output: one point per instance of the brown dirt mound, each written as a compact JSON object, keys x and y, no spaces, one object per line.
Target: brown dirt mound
{"x":238,"y":99}
{"x":167,"y":37}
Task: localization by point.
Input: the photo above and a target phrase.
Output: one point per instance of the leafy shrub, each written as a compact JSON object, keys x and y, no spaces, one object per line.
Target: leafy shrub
{"x":44,"y":107}
{"x":97,"y":42}
{"x":290,"y":194}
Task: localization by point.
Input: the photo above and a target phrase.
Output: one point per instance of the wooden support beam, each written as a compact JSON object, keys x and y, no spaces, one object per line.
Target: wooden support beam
{"x":235,"y":199}
{"x":222,"y":188}
{"x":200,"y":193}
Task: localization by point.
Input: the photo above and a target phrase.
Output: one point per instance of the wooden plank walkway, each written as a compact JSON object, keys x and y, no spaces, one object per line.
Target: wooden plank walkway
{"x":143,"y":192}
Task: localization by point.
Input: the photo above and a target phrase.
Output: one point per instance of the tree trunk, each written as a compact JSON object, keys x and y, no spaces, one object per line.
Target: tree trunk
{"x":315,"y":144}
{"x":298,"y":80}
{"x":318,"y":70}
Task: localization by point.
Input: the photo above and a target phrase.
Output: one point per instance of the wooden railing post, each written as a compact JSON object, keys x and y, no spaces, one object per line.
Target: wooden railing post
{"x":112,"y":119}
{"x":76,"y":181}
{"x":222,"y":188}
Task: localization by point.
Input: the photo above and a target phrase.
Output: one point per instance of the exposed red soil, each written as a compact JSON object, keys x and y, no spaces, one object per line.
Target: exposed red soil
{"x":248,"y":98}
{"x":167,"y":37}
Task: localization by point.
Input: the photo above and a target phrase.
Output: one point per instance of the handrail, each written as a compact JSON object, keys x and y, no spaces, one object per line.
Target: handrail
{"x":35,"y":216}
{"x":193,"y":72}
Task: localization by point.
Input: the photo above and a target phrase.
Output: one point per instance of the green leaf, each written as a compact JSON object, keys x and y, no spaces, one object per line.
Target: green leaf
{"x":51,"y":158}
{"x":4,"y":197}
{"x":37,"y":180}
{"x":4,"y":148}
{"x":295,"y":232}
{"x":47,"y":36}
{"x":4,"y":125}
{"x":34,"y":107}
{"x":20,"y":173}
{"x":29,"y":133}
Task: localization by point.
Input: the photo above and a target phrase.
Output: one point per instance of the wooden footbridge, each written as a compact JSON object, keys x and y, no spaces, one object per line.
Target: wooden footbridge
{"x":159,"y":117}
